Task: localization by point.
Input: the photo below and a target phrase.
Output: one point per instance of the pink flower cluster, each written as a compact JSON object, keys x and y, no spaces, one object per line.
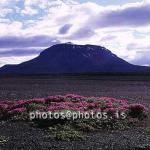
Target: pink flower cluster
{"x":68,"y":102}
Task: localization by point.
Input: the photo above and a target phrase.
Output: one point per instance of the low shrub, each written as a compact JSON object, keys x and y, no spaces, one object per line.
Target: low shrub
{"x":3,"y":140}
{"x":68,"y":135}
{"x":143,"y":147}
{"x":137,"y":111}
{"x":147,"y":129}
{"x":33,"y":107}
{"x":66,"y":132}
{"x":86,"y":127}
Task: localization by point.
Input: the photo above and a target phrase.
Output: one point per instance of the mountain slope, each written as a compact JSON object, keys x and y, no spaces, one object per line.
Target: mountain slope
{"x":70,"y":58}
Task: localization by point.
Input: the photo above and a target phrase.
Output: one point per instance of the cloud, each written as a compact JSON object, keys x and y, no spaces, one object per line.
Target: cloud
{"x":15,"y":59}
{"x":29,"y":11}
{"x":133,"y":15}
{"x":10,"y":28}
{"x":7,"y":2}
{"x":33,"y":24}
{"x":141,"y":52}
{"x":20,"y":47}
{"x":142,"y":58}
{"x":15,"y":52}
{"x":5,"y":11}
{"x":31,"y":41}
{"x":139,"y":47}
{"x":82,"y":33}
{"x":108,"y":38}
{"x":64,"y":29}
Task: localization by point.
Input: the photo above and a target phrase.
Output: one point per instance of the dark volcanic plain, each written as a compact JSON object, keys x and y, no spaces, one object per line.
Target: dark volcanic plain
{"x":22,"y":136}
{"x":136,"y":88}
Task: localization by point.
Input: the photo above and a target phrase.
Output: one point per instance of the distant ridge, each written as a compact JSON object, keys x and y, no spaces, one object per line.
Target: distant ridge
{"x":69,"y":58}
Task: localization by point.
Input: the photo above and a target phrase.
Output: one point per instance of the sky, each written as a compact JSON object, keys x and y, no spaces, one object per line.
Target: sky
{"x":27,"y":27}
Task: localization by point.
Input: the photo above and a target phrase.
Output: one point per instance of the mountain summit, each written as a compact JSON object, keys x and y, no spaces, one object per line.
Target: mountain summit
{"x":71,"y":58}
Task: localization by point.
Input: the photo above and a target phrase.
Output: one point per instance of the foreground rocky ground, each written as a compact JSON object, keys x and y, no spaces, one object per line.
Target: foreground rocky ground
{"x":20,"y":135}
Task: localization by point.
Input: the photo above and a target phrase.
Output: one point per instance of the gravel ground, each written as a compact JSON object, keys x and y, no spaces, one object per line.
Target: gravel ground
{"x":22,"y":136}
{"x":131,"y":87}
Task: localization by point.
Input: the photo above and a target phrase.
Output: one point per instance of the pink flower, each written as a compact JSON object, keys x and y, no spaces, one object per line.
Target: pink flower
{"x":17,"y":111}
{"x":72,"y":102}
{"x":3,"y":106}
{"x":38,"y":101}
{"x":57,"y":98}
{"x":109,"y":105}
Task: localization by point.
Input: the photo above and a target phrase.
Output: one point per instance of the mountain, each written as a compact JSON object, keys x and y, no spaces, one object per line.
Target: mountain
{"x":71,"y":58}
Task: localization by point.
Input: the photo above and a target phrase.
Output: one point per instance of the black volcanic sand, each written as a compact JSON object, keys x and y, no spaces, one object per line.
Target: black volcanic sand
{"x":22,"y":136}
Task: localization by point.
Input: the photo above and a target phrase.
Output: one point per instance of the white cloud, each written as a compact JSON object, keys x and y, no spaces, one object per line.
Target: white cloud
{"x":11,"y":28}
{"x":29,"y":11}
{"x":15,"y":60}
{"x":4,"y":12}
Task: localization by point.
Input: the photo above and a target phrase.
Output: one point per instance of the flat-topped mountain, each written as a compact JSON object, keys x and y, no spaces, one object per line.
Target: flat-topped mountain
{"x":71,"y":58}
